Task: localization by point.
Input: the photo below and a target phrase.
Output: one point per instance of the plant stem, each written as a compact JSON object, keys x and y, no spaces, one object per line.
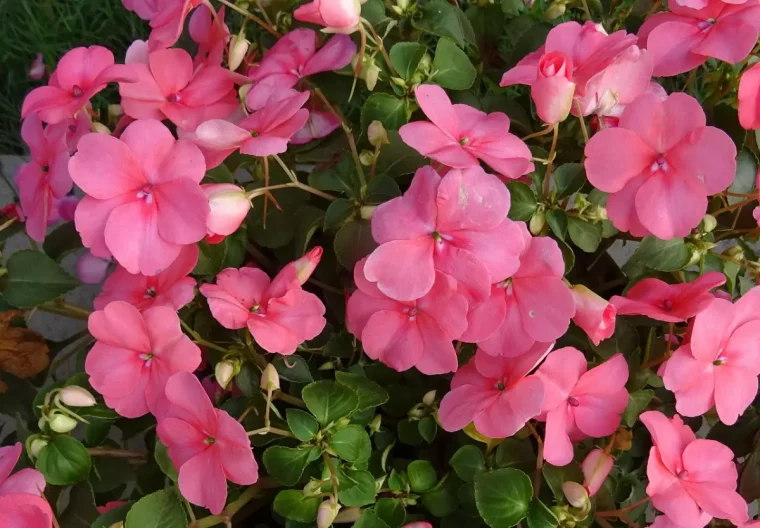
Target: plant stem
{"x":117,"y":453}
{"x":333,"y":476}
{"x":8,"y":223}
{"x":547,"y":130}
{"x":273,"y":430}
{"x":251,"y":16}
{"x":552,"y":154}
{"x":381,"y":47}
{"x":292,"y":400}
{"x":297,"y":184}
{"x":232,"y":508}
{"x":539,"y":460}
{"x":582,"y":122}
{"x":623,"y":511}
{"x":587,"y":10}
{"x":61,"y":307}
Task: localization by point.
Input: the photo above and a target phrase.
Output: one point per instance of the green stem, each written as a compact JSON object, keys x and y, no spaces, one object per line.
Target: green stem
{"x":117,"y":453}
{"x":297,"y":184}
{"x":232,"y":508}
{"x":251,"y":16}
{"x":292,"y":400}
{"x":61,"y":307}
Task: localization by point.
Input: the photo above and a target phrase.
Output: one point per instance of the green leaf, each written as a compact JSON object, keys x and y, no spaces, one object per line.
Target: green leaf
{"x":569,"y":179}
{"x":397,"y":481}
{"x":540,"y":516}
{"x":292,"y":505}
{"x":303,"y":425}
{"x":749,"y":482}
{"x":351,"y":444}
{"x":164,"y":462}
{"x":468,"y":461}
{"x":524,"y":202}
{"x":512,"y":7}
{"x":34,"y":278}
{"x":294,"y":369}
{"x":422,"y":476}
{"x":81,"y":511}
{"x":744,"y":179}
{"x":339,"y":345}
{"x":329,"y":401}
{"x":443,"y":500}
{"x":210,"y":258}
{"x":248,"y":380}
{"x":398,"y":158}
{"x":452,"y":68}
{"x":113,"y":516}
{"x":361,"y":493}
{"x":409,"y":432}
{"x":338,"y":178}
{"x":585,"y":235}
{"x":443,"y":19}
{"x":391,"y":511}
{"x":386,"y":108}
{"x":219,"y":174}
{"x":503,"y":497}
{"x":337,"y":212}
{"x":406,"y":56}
{"x":370,"y":393}
{"x":637,"y":403}
{"x":555,"y":476}
{"x":428,"y":428}
{"x":286,"y":464}
{"x":353,"y":242}
{"x":370,"y":519}
{"x":557,"y":221}
{"x":64,"y":461}
{"x":162,"y":509}
{"x":308,"y":220}
{"x":380,"y":189}
{"x":62,"y":241}
{"x":739,"y":437}
{"x":660,"y":255}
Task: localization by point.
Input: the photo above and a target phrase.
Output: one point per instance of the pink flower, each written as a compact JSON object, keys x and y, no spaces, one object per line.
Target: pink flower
{"x":670,"y":303}
{"x":108,"y":506}
{"x":168,"y":21}
{"x":495,"y":393}
{"x":21,"y":510}
{"x":606,"y":69}
{"x":37,"y":69}
{"x":81,"y":73}
{"x":580,"y":403}
{"x":659,"y":165}
{"x":663,"y":521}
{"x":168,"y":87}
{"x":596,"y":467}
{"x":72,"y":130}
{"x":27,"y":481}
{"x":293,"y":57}
{"x":135,"y":354}
{"x":320,"y":124}
{"x":92,"y":269}
{"x":420,"y":524}
{"x":406,"y":334}
{"x":207,"y":445}
{"x":145,"y":9}
{"x":338,"y":16}
{"x":45,"y":179}
{"x":720,"y":364}
{"x":211,"y":34}
{"x":229,"y":207}
{"x":749,"y":98}
{"x":533,"y":304}
{"x":593,"y":314}
{"x":685,"y":38}
{"x":681,"y":484}
{"x":144,"y":201}
{"x":460,"y":135}
{"x":456,"y":224}
{"x":278,"y":313}
{"x":173,"y":287}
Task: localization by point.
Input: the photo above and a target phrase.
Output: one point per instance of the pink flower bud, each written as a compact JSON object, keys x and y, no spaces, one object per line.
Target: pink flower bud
{"x":306,"y":265}
{"x":338,"y":16}
{"x":326,"y":514}
{"x":553,"y":90}
{"x":595,"y":315}
{"x":92,"y":269}
{"x":74,"y":396}
{"x":376,"y":134}
{"x":575,"y":494}
{"x":420,"y":524}
{"x":596,"y":466}
{"x":37,"y":69}
{"x":238,"y":50}
{"x":229,"y":206}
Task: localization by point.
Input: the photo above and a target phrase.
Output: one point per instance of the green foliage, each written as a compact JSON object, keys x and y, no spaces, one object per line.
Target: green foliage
{"x":64,"y":461}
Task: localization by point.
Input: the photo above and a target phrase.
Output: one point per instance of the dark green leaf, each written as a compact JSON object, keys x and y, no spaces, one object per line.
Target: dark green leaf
{"x":428,"y":428}
{"x":391,"y":511}
{"x":637,"y":402}
{"x":61,"y":241}
{"x":660,"y":255}
{"x":353,"y":242}
{"x":329,"y":401}
{"x":744,"y":180}
{"x":386,"y":108}
{"x":339,"y":345}
{"x":370,"y":519}
{"x":362,"y":491}
{"x":569,"y":179}
{"x":292,"y":504}
{"x":409,"y":432}
{"x":443,"y":19}
{"x":293,"y":368}
{"x":503,"y":497}
{"x":405,"y":56}
{"x":248,"y":380}
{"x":162,"y":509}
{"x":308,"y":220}
{"x":380,"y":189}
{"x":339,"y":178}
{"x":337,"y":212}
{"x":443,"y":500}
{"x":557,"y":221}
{"x":452,"y":68}
{"x":210,"y":258}
{"x":111,"y":517}
{"x":524,"y":202}
{"x":34,"y":278}
{"x":556,"y":475}
{"x":303,"y":425}
{"x":422,"y":476}
{"x":540,"y":516}
{"x":512,"y":7}
{"x":164,"y":462}
{"x":370,"y":393}
{"x":398,"y":158}
{"x":585,"y":235}
{"x":749,"y":483}
{"x":82,"y":510}
{"x":219,"y":174}
{"x":64,"y":461}
{"x":468,"y":462}
{"x":351,"y":444}
{"x":286,"y":464}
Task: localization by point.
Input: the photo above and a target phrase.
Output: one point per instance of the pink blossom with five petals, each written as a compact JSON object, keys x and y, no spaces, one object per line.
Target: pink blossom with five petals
{"x":26,"y":481}
{"x":210,"y":33}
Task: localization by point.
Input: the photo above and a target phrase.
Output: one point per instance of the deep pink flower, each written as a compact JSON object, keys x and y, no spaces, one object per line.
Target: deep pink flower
{"x":168,"y":87}
{"x":681,"y":484}
{"x":207,"y":445}
{"x":606,"y":69}
{"x":660,"y":165}
{"x":27,"y":481}
{"x":293,"y":57}
{"x":670,"y":303}
{"x":338,"y":16}
{"x":211,"y":34}
{"x":173,"y":287}
{"x":406,"y":334}
{"x":229,"y":207}
{"x":45,"y":179}
{"x":145,"y":9}
{"x":532,"y":304}
{"x":320,"y":124}
{"x":593,"y":314}
{"x":168,"y":21}
{"x":144,"y":201}
{"x":596,"y":467}
{"x":456,"y":224}
{"x":580,"y":403}
{"x":685,"y":38}
{"x":108,"y":506}
{"x":135,"y":354}
{"x":92,"y":269}
{"x":495,"y":393}
{"x":720,"y":364}
{"x":81,"y":73}
{"x":37,"y":69}
{"x":459,"y":135}
{"x":749,"y":98}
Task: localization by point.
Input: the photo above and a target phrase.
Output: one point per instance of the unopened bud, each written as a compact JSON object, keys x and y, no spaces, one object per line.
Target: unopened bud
{"x":576,"y":494}
{"x":596,"y":466}
{"x":403,"y":4}
{"x":74,"y":396}
{"x":327,"y":513}
{"x":312,"y":488}
{"x":243,"y":91}
{"x":100,"y":128}
{"x":374,"y":425}
{"x":376,"y":134}
{"x":343,"y":422}
{"x":696,"y":256}
{"x":425,"y":64}
{"x":306,"y":265}
{"x":735,"y":253}
{"x":270,"y":379}
{"x":366,"y":211}
{"x":36,"y":446}
{"x":327,"y":365}
{"x":556,"y":10}
{"x":367,"y":158}
{"x":537,"y":223}
{"x":228,"y":207}
{"x":224,"y":372}
{"x":369,"y":70}
{"x":60,"y":423}
{"x":238,"y":50}
{"x":709,"y":223}
{"x":429,"y":398}
{"x":398,"y":81}
{"x":115,"y":111}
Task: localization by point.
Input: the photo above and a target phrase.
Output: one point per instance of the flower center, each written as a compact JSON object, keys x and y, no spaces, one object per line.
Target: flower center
{"x":573,"y":402}
{"x":706,"y":24}
{"x":148,"y":358}
{"x":667,"y":305}
{"x":660,"y":164}
{"x":150,"y":293}
{"x":411,"y":312}
{"x":77,"y":91}
{"x":209,"y":441}
{"x":146,"y":194}
{"x":718,"y":362}
{"x":682,"y":474}
{"x":256,"y":309}
{"x":254,"y":133}
{"x":173,"y":98}
{"x":45,"y":168}
{"x":464,"y":141}
{"x":500,"y":385}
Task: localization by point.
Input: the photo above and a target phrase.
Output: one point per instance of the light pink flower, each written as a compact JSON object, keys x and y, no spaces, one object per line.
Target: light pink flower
{"x":81,"y":73}
{"x":596,"y":467}
{"x":607,"y":69}
{"x":660,"y":165}
{"x":22,"y":510}
{"x":685,"y":38}
{"x":293,"y":57}
{"x":495,"y":393}
{"x":173,"y":287}
{"x":229,"y":207}
{"x":456,"y":224}
{"x":92,"y":269}
{"x":206,"y":445}
{"x":168,"y":21}
{"x":749,"y":98}
{"x":135,"y":354}
{"x":45,"y":179}
{"x":593,"y":314}
{"x":37,"y":69}
{"x":211,"y":34}
{"x":406,"y":334}
{"x":670,"y":303}
{"x":144,"y":201}
{"x":533,"y":304}
{"x":459,"y":135}
{"x":145,"y":9}
{"x":720,"y":364}
{"x":681,"y":484}
{"x":320,"y":124}
{"x":338,"y":16}
{"x":27,"y":481}
{"x":580,"y":403}
{"x":663,"y":521}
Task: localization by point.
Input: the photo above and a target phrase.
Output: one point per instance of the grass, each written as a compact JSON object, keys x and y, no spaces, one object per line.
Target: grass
{"x":52,"y":27}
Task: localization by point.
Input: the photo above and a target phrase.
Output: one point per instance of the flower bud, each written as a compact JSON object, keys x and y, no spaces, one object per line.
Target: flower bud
{"x":576,"y":495}
{"x":270,"y":379}
{"x":74,"y":396}
{"x":366,"y":211}
{"x":735,"y":253}
{"x":224,"y":372}
{"x":709,"y":223}
{"x":596,"y":466}
{"x":403,"y":4}
{"x":553,"y":90}
{"x":306,"y":265}
{"x":36,"y":446}
{"x":67,"y":206}
{"x":327,"y":365}
{"x":92,"y":269}
{"x":119,"y":524}
{"x":398,"y":81}
{"x":37,"y":69}
{"x":537,"y":223}
{"x":696,"y":256}
{"x":238,"y":50}
{"x":367,"y":158}
{"x":60,"y":423}
{"x":429,"y":398}
{"x":115,"y":111}
{"x":556,"y":10}
{"x":376,"y":134}
{"x":425,"y":64}
{"x":593,"y":314}
{"x":327,"y":513}
{"x":100,"y":128}
{"x":374,"y":425}
{"x":369,"y":70}
{"x":228,"y":205}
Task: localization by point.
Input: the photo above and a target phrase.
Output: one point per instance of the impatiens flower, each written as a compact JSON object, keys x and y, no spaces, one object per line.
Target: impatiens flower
{"x":169,"y":87}
{"x":495,"y":393}
{"x":21,"y":510}
{"x":108,"y":506}
{"x":320,"y":124}
{"x":685,"y":38}
{"x":580,"y":403}
{"x":406,"y":334}
{"x":749,"y":98}
{"x":210,"y":33}
{"x":688,"y":476}
{"x":605,"y":70}
{"x":293,"y":57}
{"x":173,"y":287}
{"x":278,"y":313}
{"x":533,"y":304}
{"x":596,"y":467}
{"x":135,"y":354}
{"x":670,"y":303}
{"x":459,"y":135}
{"x":229,"y":207}
{"x":456,"y":224}
{"x":663,"y":521}
{"x":337,"y":16}
{"x":37,"y":69}
{"x":92,"y":269}
{"x":144,"y":201}
{"x":720,"y":364}
{"x":168,"y":21}
{"x":45,"y":179}
{"x":81,"y":73}
{"x":145,"y":9}
{"x":206,"y":445}
{"x":27,"y":481}
{"x":660,"y":165}
{"x":72,"y":130}
{"x":593,"y":314}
